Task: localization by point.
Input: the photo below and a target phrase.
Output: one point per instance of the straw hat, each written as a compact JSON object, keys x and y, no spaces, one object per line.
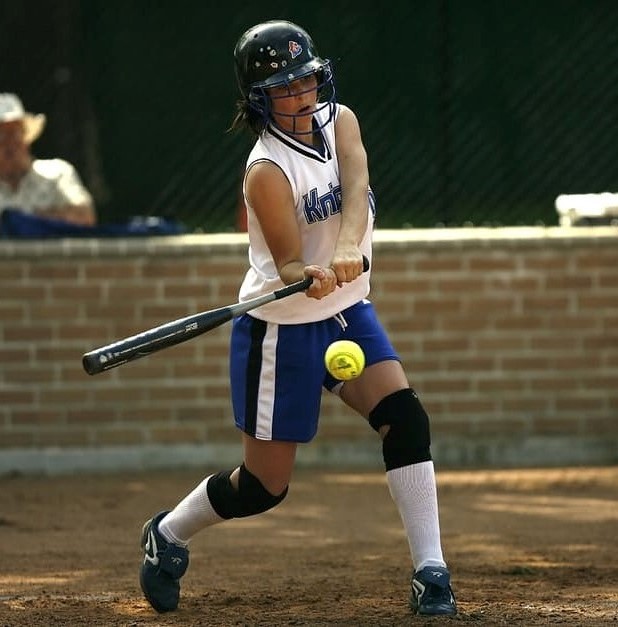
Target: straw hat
{"x":12,"y":109}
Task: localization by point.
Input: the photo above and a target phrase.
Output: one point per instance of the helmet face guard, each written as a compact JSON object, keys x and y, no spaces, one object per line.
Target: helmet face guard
{"x":275,"y":54}
{"x":262,"y":102}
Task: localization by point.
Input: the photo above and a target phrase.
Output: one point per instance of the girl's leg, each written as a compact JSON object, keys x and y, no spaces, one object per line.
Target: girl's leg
{"x":382,"y":395}
{"x":412,"y":481}
{"x":267,"y":469}
{"x":257,"y":485}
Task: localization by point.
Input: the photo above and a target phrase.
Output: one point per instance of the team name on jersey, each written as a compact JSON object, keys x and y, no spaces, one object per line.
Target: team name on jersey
{"x":318,"y":208}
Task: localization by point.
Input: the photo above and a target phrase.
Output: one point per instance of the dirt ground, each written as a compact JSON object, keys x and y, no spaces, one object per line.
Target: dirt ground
{"x":534,"y":547}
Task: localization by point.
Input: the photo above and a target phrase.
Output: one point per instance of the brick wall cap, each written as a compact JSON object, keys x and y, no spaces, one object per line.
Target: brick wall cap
{"x":233,"y":243}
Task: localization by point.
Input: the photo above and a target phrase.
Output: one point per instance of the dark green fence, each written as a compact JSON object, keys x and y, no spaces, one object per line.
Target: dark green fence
{"x":473,"y":111}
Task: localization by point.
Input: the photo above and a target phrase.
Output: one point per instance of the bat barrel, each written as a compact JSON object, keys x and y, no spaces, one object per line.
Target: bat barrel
{"x":153,"y":340}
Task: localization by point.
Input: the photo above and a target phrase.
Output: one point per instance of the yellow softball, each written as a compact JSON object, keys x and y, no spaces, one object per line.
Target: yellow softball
{"x":344,"y":360}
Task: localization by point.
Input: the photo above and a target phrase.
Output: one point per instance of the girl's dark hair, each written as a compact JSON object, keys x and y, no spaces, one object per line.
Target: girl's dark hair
{"x":247,"y":118}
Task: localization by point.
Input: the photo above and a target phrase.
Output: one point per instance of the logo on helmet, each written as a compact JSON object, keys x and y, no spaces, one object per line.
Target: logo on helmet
{"x":294,"y":48}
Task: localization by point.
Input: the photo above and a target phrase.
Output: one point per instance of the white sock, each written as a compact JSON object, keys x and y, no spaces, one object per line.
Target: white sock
{"x":413,"y":489}
{"x":193,"y":513}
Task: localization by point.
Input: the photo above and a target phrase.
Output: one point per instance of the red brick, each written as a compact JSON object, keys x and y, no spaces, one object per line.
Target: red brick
{"x":523,"y":322}
{"x":176,"y":435}
{"x":181,"y":292}
{"x":512,"y":283}
{"x":545,"y":303}
{"x":447,"y":344}
{"x":500,"y":385}
{"x":555,"y":426}
{"x":604,"y":426}
{"x":491,"y":263}
{"x":462,"y":323}
{"x":27,"y":373}
{"x":221,"y":268}
{"x":448,"y":385}
{"x":469,"y":286}
{"x":573,"y":403}
{"x":55,"y":272}
{"x":166,"y":269}
{"x":585,"y":362}
{"x":433,"y":264}
{"x":608,"y":340}
{"x":489,"y":305}
{"x":11,"y":354}
{"x":593,"y":380}
{"x":78,"y":331}
{"x":553,"y":383}
{"x":131,"y":292}
{"x":608,"y":281}
{"x":12,"y":311}
{"x":173,"y":393}
{"x":587,"y":260}
{"x":500,"y":343}
{"x":395,"y":288}
{"x":547,"y":263}
{"x":30,"y":293}
{"x":64,"y":438}
{"x":524,"y":364}
{"x":100,"y":311}
{"x":119,"y":436}
{"x":90,"y":416}
{"x":560,"y":323}
{"x":33,"y":332}
{"x":12,"y":272}
{"x":527,"y":405}
{"x":597,"y":301}
{"x":470,"y":364}
{"x":429,"y":306}
{"x":75,"y":292}
{"x":473,"y":406}
{"x":504,"y":427}
{"x":451,"y":428}
{"x":47,"y":417}
{"x":61,"y":396}
{"x":95,"y":271}
{"x":568,"y":282}
{"x":17,"y":439}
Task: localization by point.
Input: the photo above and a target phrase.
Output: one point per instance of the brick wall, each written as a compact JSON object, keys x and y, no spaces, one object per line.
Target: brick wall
{"x":510,"y":336}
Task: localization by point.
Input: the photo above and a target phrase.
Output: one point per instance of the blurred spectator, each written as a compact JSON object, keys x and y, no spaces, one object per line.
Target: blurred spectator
{"x":49,"y":188}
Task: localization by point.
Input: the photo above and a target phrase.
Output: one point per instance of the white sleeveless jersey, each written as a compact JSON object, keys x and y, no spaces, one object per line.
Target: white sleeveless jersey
{"x":313,"y":175}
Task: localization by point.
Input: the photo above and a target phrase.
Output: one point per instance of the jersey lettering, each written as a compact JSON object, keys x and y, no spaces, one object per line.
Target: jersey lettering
{"x":319,"y":208}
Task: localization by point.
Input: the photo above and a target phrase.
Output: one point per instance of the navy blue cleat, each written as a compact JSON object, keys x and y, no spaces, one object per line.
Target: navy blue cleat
{"x":164,"y":564}
{"x":431,"y":592}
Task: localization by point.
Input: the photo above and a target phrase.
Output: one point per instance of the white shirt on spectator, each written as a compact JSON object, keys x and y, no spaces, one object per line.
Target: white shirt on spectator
{"x":49,"y":183}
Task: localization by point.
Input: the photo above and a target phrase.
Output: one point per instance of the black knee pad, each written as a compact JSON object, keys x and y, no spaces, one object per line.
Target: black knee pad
{"x":250,"y":498}
{"x":408,"y":440}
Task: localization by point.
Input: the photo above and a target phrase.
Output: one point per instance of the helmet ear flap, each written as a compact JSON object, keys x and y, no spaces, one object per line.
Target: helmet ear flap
{"x":258,"y":100}
{"x":258,"y":109}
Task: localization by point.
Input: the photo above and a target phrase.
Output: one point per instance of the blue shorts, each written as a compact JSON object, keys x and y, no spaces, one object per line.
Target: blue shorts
{"x":277,"y":371}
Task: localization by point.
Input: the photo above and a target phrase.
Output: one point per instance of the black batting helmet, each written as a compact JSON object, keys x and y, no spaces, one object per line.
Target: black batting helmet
{"x":276,"y":53}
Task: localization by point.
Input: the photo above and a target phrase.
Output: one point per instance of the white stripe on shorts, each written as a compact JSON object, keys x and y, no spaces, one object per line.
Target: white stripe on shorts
{"x":266,"y":389}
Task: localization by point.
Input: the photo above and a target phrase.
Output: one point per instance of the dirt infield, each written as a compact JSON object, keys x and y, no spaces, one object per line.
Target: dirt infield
{"x":525,"y":548}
